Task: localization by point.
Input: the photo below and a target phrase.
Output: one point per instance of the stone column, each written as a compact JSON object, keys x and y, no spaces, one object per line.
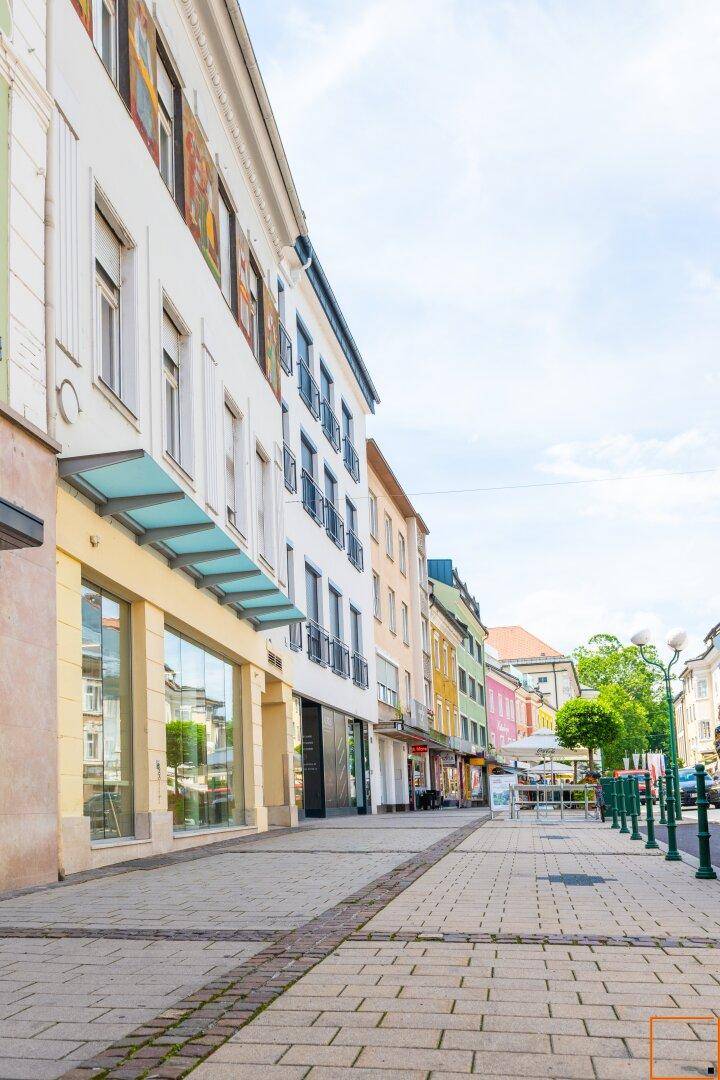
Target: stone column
{"x":278,"y":754}
{"x":74,"y":839}
{"x":252,"y":687}
{"x":152,"y":818}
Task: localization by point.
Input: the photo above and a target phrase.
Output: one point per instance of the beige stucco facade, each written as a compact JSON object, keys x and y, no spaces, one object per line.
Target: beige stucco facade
{"x":397,"y":546}
{"x":92,"y":549}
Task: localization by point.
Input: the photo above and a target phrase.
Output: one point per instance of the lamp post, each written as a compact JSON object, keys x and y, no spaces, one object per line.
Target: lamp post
{"x":676,"y":641}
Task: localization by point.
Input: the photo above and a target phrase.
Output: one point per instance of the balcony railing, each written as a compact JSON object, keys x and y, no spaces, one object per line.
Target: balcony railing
{"x":312,"y":498}
{"x":286,"y":357}
{"x":360,"y":671}
{"x":334,"y":525}
{"x":295,"y":636}
{"x":350,"y":459}
{"x":289,"y":468}
{"x":419,"y":714}
{"x":355,"y":551}
{"x":308,"y":388}
{"x":330,"y":424}
{"x":318,"y":643}
{"x":339,"y":657}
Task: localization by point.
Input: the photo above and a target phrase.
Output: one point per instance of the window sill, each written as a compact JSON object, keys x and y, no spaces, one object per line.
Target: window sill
{"x":266,"y":563}
{"x":209,"y":830}
{"x":119,"y":841}
{"x":177,"y":468}
{"x":119,"y":404}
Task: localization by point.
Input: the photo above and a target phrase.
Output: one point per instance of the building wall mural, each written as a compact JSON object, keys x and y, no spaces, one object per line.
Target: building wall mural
{"x":201,"y":191}
{"x":143,"y":74}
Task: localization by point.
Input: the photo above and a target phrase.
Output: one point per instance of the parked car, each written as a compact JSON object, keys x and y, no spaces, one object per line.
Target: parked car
{"x":641,"y":781}
{"x":688,"y":788}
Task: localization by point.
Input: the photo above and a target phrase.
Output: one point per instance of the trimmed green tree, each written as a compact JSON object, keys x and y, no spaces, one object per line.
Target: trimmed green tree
{"x":585,"y":722}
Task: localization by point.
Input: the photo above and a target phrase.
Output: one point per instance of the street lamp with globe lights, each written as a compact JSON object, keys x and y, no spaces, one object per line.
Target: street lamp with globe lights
{"x":676,"y":640}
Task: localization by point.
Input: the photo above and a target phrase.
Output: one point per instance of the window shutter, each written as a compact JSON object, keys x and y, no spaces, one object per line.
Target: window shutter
{"x":68,"y":321}
{"x":212,"y":434}
{"x":171,"y":339}
{"x":108,"y":249}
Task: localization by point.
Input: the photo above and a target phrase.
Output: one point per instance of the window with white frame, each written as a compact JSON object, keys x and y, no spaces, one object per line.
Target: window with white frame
{"x":500,"y":705}
{"x":425,"y":635}
{"x":702,"y":687}
{"x":388,"y":536}
{"x":372,"y":499}
{"x":227,"y":262}
{"x":428,"y":693}
{"x":387,"y":681}
{"x":166,"y":125}
{"x":436,"y":650}
{"x":402,"y":554}
{"x":704,"y":727}
{"x":472,"y":691}
{"x":439,"y":712}
{"x":491,"y":700}
{"x":105,"y":34}
{"x":255,"y":283}
{"x":445,"y":658}
{"x":263,"y":500}
{"x":377,"y":611}
{"x":405,"y":623}
{"x":108,"y":292}
{"x":464,"y":729}
{"x":392,"y":614}
{"x":171,"y":340}
{"x":462,"y":680}
{"x":234,"y":495}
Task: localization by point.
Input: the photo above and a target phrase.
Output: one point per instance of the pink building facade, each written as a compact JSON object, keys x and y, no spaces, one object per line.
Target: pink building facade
{"x":501,"y":711}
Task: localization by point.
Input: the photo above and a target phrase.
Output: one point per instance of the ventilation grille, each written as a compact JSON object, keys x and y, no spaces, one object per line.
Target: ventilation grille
{"x":275,"y":660}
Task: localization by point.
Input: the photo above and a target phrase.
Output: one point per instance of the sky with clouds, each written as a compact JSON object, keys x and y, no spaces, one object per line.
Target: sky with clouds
{"x":518,"y":205}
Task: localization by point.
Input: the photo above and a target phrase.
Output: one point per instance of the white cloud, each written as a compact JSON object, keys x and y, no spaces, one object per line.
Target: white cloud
{"x":517,"y":205}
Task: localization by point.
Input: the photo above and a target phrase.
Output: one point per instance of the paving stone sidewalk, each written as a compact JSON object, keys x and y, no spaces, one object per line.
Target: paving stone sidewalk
{"x":533,"y":950}
{"x":91,"y":963}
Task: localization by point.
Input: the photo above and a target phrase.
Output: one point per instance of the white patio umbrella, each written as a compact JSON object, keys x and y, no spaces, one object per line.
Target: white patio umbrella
{"x":539,"y":746}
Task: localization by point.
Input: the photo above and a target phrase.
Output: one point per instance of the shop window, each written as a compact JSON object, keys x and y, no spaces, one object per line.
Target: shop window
{"x":107,"y":715}
{"x":204,"y":758}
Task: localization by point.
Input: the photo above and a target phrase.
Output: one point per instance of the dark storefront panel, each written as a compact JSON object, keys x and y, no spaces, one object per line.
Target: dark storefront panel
{"x":335,"y":762}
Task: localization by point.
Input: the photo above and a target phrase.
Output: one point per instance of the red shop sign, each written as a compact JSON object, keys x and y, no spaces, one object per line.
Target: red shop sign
{"x":418,"y":749}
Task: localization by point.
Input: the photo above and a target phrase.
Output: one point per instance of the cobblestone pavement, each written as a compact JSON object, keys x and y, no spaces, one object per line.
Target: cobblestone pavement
{"x":89,"y":962}
{"x":495,"y":962}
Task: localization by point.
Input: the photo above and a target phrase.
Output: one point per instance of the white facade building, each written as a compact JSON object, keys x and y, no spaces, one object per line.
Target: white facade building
{"x":327,"y":394}
{"x":697,"y":708}
{"x":182,"y":270}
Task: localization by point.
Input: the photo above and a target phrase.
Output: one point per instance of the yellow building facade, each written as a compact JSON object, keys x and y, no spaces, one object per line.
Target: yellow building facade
{"x":150,"y":606}
{"x":446,"y":635}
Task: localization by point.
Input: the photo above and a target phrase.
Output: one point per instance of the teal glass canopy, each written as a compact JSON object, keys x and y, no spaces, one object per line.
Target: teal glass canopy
{"x":133,"y":488}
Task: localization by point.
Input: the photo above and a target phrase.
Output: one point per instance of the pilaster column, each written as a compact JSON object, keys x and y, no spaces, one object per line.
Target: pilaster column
{"x":252,"y":687}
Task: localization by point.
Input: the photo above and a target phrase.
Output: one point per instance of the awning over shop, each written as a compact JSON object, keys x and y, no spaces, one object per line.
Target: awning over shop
{"x":133,"y":488}
{"x":398,"y":729}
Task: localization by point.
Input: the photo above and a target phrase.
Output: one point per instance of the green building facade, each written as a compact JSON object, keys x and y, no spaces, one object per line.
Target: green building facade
{"x":454,"y":594}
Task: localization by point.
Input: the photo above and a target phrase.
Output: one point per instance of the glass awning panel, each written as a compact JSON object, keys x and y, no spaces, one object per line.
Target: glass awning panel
{"x":133,"y":488}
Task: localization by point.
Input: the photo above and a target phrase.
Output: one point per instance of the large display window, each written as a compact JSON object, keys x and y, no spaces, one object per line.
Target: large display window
{"x":107,"y":715}
{"x":204,"y":760}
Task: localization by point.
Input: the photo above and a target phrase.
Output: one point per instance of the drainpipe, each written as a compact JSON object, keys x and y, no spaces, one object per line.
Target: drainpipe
{"x":49,"y":276}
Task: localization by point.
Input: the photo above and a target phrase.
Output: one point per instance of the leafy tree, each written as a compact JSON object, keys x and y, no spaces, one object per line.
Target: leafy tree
{"x":634,"y":726}
{"x":582,"y":722}
{"x":605,"y":662}
{"x":186,"y":744}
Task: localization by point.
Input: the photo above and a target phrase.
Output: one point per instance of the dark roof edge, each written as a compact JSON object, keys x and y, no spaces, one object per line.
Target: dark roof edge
{"x":331,"y":307}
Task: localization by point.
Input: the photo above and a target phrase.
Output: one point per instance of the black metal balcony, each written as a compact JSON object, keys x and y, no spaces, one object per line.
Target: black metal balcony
{"x":286,"y":357}
{"x":360,"y":671}
{"x":334,"y":525}
{"x":339,"y":657}
{"x":295,"y":636}
{"x":289,"y":468}
{"x":318,"y":643}
{"x":330,"y":424}
{"x":308,"y":388}
{"x":355,"y":551}
{"x":350,"y":459}
{"x":312,"y":498}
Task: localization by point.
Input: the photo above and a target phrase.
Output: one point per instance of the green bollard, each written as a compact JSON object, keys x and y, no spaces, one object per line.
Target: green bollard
{"x":634,"y":800}
{"x":651,"y":842}
{"x":620,"y":793}
{"x":672,"y":855}
{"x":613,"y":803}
{"x":661,"y":799}
{"x":705,"y":869}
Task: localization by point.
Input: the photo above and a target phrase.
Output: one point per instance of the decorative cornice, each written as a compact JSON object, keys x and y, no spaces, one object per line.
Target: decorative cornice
{"x":221,"y":93}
